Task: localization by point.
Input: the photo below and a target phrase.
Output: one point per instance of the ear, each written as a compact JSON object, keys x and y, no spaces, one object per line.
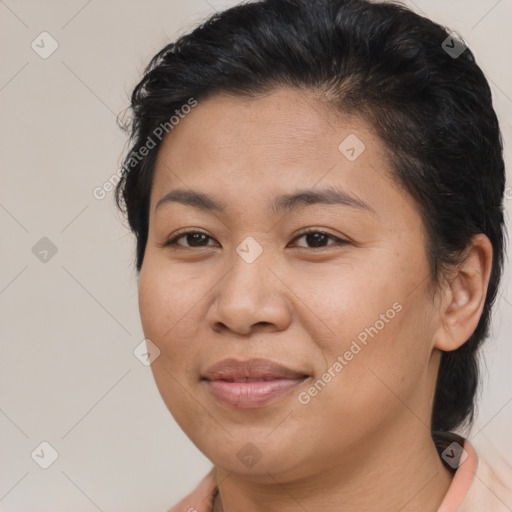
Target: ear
{"x":464,"y":295}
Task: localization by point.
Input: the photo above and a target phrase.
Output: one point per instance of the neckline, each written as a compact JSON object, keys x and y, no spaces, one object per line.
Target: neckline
{"x":462,"y":460}
{"x":467,"y":464}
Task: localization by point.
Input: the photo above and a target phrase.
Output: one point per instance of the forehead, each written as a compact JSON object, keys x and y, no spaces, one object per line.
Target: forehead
{"x":281,"y":140}
{"x":283,"y":125}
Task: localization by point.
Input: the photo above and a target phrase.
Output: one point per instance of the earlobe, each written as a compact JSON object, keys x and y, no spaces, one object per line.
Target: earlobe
{"x":465,"y":293}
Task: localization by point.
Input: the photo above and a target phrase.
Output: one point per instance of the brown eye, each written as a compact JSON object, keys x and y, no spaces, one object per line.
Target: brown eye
{"x":192,"y":238}
{"x":319,"y":239}
{"x":314,"y":240}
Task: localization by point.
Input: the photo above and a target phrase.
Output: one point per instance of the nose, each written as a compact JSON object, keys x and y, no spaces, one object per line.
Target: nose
{"x":251,"y":298}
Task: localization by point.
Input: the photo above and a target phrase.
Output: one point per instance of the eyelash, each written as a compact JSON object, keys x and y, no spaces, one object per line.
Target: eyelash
{"x":339,"y":241}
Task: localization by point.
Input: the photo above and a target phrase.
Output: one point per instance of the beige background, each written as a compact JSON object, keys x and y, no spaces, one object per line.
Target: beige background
{"x":69,"y":325}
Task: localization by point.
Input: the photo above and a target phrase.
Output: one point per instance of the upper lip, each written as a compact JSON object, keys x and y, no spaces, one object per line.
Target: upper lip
{"x":264,"y":369}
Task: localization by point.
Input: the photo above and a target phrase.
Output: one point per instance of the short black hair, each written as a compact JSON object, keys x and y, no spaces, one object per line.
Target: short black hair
{"x":432,"y":109}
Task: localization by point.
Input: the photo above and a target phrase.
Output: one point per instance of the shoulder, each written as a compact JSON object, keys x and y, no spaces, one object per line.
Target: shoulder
{"x":201,"y":498}
{"x":491,"y":489}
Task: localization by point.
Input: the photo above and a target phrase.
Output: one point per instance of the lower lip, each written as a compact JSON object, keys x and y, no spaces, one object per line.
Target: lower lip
{"x":249,"y":395}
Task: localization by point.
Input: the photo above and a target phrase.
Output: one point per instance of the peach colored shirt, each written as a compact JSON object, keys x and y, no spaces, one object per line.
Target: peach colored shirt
{"x":476,"y":487}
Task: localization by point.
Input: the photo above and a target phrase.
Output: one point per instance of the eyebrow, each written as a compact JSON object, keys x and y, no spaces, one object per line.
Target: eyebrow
{"x":281,"y":204}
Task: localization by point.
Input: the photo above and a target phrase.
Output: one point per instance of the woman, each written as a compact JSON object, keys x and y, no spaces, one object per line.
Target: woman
{"x":316,"y":191}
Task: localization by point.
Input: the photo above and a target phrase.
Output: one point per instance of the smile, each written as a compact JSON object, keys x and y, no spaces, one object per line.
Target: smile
{"x":250,"y":384}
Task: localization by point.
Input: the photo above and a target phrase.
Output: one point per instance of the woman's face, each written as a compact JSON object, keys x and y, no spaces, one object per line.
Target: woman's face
{"x":347,"y":313}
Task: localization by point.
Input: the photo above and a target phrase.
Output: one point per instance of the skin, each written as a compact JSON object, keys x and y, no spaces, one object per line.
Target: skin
{"x":363,"y":443}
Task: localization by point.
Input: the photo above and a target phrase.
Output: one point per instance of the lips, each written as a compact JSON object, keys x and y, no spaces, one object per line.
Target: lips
{"x":252,"y":383}
{"x":255,"y":369}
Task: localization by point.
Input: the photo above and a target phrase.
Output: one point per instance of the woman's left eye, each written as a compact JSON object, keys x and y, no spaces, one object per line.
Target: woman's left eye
{"x":317,"y":239}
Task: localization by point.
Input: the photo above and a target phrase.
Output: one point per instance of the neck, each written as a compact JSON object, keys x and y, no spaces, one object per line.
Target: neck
{"x":396,"y":472}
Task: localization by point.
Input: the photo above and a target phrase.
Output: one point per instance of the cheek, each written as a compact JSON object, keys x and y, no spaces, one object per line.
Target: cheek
{"x":163,"y":307}
{"x":166,"y":303}
{"x":379,"y":334}
{"x":172,"y":305}
{"x":385,"y":367}
{"x":349,"y":308}
{"x":163,"y":310}
{"x":152,"y":302}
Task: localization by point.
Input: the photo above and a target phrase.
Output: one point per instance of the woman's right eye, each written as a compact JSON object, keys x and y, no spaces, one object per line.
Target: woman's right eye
{"x":193,"y":239}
